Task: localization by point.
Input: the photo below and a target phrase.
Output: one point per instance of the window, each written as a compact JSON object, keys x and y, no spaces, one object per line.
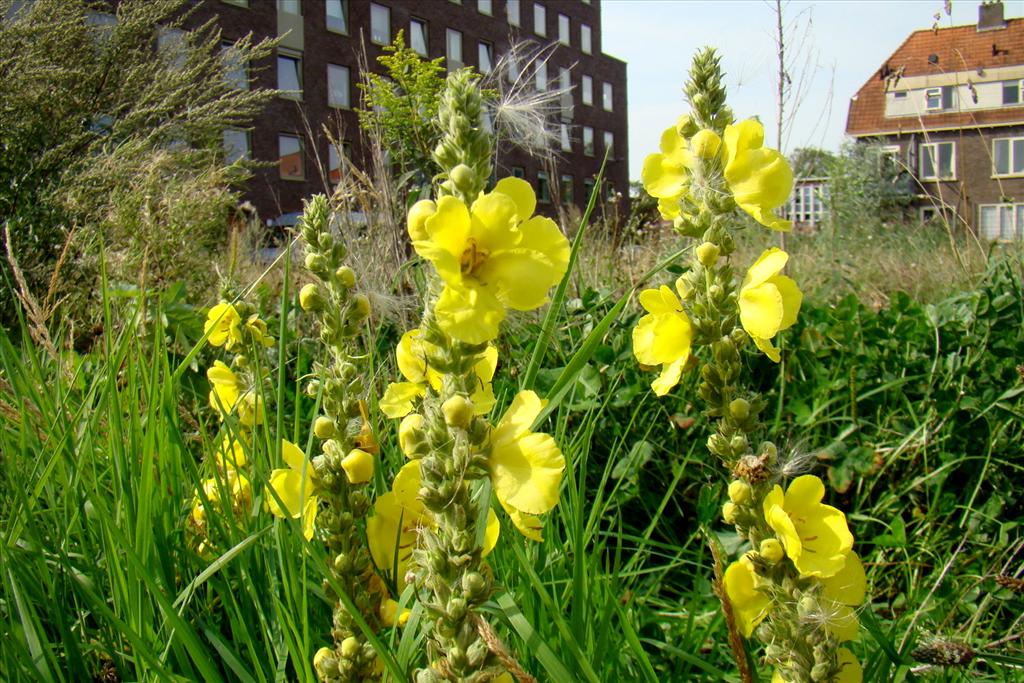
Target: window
{"x":565,"y":85}
{"x":236,"y":145}
{"x":542,"y":76}
{"x":290,"y":162}
{"x":540,"y":20}
{"x":588,"y":188}
{"x":565,"y":187}
{"x":900,"y":94}
{"x":1008,"y":156}
{"x":585,"y":39}
{"x":1011,"y":92}
{"x":485,"y":57}
{"x":937,"y":99}
{"x":512,"y":12}
{"x":609,"y":144}
{"x":606,"y":96}
{"x":563,"y":29}
{"x":484,"y":7}
{"x":588,"y":141}
{"x":334,"y":161}
{"x":889,"y":161}
{"x":236,"y":72}
{"x":566,"y":140}
{"x":938,"y":161}
{"x":587,"y":88}
{"x":518,"y":172}
{"x":338,"y":86}
{"x":237,"y":3}
{"x":173,"y":45}
{"x":418,"y":36}
{"x":289,"y":75}
{"x":543,"y":188}
{"x":1001,"y":222}
{"x":380,"y":24}
{"x":337,"y":16}
{"x":289,"y":7}
{"x":454,"y":49}
{"x":806,"y":204}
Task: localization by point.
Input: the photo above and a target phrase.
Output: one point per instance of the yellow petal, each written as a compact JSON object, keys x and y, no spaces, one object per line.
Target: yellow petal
{"x":669,"y":376}
{"x":309,"y":516}
{"x":662,"y":338}
{"x":804,"y":495}
{"x":418,"y":215}
{"x":792,"y":297}
{"x":406,"y":487}
{"x":483,"y":398}
{"x":519,"y":417}
{"x":842,"y":623}
{"x":294,"y":457}
{"x":528,"y":525}
{"x":288,"y":484}
{"x":411,"y":357}
{"x":527,"y":472}
{"x":661,"y":300}
{"x":741,"y":137}
{"x":671,"y":142}
{"x":488,"y":363}
{"x":768,"y":264}
{"x":522,"y":276}
{"x":410,"y":434}
{"x":761,"y":310}
{"x":849,"y":585}
{"x":449,"y":229}
{"x":765,"y":345}
{"x":520,"y":192}
{"x":494,"y":218}
{"x":398,"y":398}
{"x":749,"y":605}
{"x":783,"y":526}
{"x":850,"y":671}
{"x":492,"y":533}
{"x":668,"y":207}
{"x":389,"y":614}
{"x":358,"y":466}
{"x":663,"y":176}
{"x":471,"y":315}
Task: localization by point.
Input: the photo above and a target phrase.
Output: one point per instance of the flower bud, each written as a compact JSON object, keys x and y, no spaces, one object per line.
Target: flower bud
{"x":705,"y":144}
{"x":418,"y":215}
{"x":684,"y":287}
{"x":360,"y":307}
{"x":323,"y":427}
{"x":739,"y":491}
{"x":315,"y":263}
{"x":410,"y":434}
{"x":729,"y":511}
{"x":309,"y":298}
{"x":458,"y":411}
{"x":771,"y":550}
{"x":474,"y":587}
{"x":345,"y":276}
{"x":321,"y":661}
{"x":358,"y":466}
{"x":350,"y":647}
{"x":707,"y":254}
{"x":463,"y":176}
{"x":686,"y":126}
{"x":739,"y":409}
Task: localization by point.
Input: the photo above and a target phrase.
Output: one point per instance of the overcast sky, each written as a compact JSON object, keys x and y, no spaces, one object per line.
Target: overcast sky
{"x":840,"y":43}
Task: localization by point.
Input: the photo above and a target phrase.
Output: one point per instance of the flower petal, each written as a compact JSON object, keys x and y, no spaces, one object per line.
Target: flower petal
{"x":309,"y":516}
{"x":849,"y":585}
{"x":660,"y":300}
{"x":850,"y":671}
{"x":492,"y":533}
{"x":662,"y":338}
{"x":792,"y":297}
{"x":765,"y":345}
{"x":768,"y":264}
{"x":519,"y":417}
{"x":761,"y":310}
{"x":528,"y":525}
{"x":527,"y":473}
{"x":294,"y":456}
{"x":287,"y":483}
{"x":410,"y":354}
{"x":398,"y":398}
{"x":749,"y":605}
{"x":520,"y":192}
{"x":494,"y":219}
{"x":470,"y":314}
{"x":669,"y":377}
{"x":449,"y":229}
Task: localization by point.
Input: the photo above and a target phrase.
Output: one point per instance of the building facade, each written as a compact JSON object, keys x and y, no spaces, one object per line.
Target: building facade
{"x":948,"y":106}
{"x":317,"y":64}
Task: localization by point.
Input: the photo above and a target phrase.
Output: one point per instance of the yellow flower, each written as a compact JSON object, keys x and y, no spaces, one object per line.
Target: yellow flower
{"x":492,"y":255}
{"x":844,"y":591}
{"x":666,"y":174}
{"x":258,"y":330}
{"x":663,"y":337}
{"x":411,"y":354}
{"x":849,"y":672}
{"x":227,"y":395}
{"x":526,"y":467}
{"x":294,"y":488}
{"x":233,"y":488}
{"x":769,"y":302}
{"x":392,"y":531}
{"x":815,"y":536}
{"x":358,"y":466}
{"x":759,"y":178}
{"x":231,"y":453}
{"x":744,"y":588}
{"x":223,"y":325}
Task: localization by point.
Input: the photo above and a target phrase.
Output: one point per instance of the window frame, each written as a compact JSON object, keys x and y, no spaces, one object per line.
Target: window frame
{"x":1016,"y":221}
{"x":608,"y":138}
{"x":567,"y":181}
{"x":607,"y":96}
{"x":295,"y":57}
{"x":426,"y":36}
{"x":923,"y":153}
{"x":540,"y":75}
{"x":540,"y":12}
{"x":1009,"y":139}
{"x":565,"y":135}
{"x":348,"y":86}
{"x":543,"y":183}
{"x":344,"y":18}
{"x":452,"y":64}
{"x":586,"y":39}
{"x":298,"y":6}
{"x":247,"y":156}
{"x":489,"y":4}
{"x":387,"y":11}
{"x":484,"y":47}
{"x":564,"y":37}
{"x":302,"y":157}
{"x":587,"y":90}
{"x":1019,"y":100}
{"x":514,"y":7}
{"x":588,"y":147}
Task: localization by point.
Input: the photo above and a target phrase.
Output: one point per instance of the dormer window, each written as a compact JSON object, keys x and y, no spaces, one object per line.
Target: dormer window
{"x":937,"y":99}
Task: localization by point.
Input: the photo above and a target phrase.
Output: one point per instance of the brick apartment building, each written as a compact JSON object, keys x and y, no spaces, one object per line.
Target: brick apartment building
{"x":948,"y":105}
{"x":317,"y":62}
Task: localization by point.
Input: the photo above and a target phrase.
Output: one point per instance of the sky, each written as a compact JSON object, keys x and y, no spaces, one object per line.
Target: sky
{"x":836,"y":44}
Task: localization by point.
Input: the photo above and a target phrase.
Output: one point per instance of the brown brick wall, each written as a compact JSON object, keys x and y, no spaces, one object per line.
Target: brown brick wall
{"x":273,"y":196}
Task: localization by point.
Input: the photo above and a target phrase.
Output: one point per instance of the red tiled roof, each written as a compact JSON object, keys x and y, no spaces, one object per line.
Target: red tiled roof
{"x":959,"y":48}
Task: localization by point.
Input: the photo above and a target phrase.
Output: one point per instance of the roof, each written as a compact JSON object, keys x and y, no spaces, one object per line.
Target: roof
{"x":959,"y":49}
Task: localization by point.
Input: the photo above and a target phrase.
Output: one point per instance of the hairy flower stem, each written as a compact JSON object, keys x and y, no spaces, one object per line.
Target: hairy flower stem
{"x":799,"y":644}
{"x":342,"y":428}
{"x":450,"y":556}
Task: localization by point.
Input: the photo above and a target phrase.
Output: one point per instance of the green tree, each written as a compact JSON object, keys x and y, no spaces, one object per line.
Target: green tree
{"x":108,"y":118}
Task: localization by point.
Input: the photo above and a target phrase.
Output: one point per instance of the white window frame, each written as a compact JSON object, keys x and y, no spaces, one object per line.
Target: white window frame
{"x":339,"y":70}
{"x":513,"y":13}
{"x":540,"y":20}
{"x":586,"y":39}
{"x":377,"y":14}
{"x":923,"y":151}
{"x":928,"y":95}
{"x":587,"y":90}
{"x":564,"y":29}
{"x":453,"y":44}
{"x":1009,"y":157}
{"x":1016,"y":212}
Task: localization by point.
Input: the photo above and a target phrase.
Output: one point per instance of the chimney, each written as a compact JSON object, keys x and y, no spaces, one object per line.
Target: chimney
{"x":990,"y":16}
